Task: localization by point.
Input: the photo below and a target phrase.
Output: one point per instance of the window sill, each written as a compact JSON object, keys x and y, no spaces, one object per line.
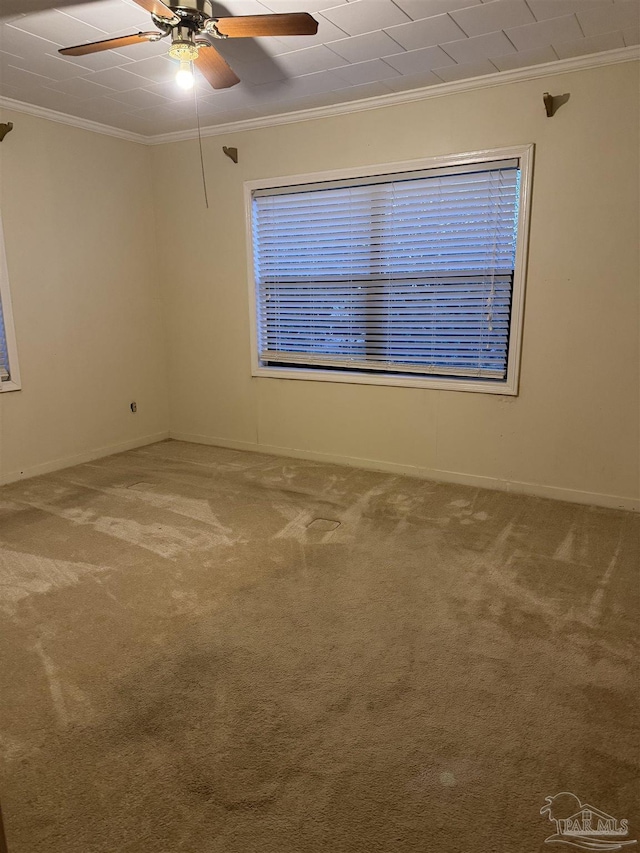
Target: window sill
{"x":508,"y":387}
{"x":10,"y":386}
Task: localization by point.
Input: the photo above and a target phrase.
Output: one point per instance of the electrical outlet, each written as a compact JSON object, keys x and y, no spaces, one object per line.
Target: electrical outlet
{"x":134,"y":407}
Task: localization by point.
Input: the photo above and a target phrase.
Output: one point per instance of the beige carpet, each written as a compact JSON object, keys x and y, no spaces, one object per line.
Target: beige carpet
{"x":196,"y":657}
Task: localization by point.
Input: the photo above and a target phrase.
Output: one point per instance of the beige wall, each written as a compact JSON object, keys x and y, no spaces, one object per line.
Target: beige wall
{"x":572,"y":432}
{"x":78,"y":215}
{"x":77,"y":209}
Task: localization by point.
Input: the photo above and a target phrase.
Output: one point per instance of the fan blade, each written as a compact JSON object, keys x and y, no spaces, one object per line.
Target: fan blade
{"x":156,"y":7}
{"x":108,"y":44}
{"x":246,"y":26}
{"x":214,"y":68}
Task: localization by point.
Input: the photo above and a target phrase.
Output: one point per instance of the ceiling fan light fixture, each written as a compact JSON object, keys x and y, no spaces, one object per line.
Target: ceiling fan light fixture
{"x":183,"y":51}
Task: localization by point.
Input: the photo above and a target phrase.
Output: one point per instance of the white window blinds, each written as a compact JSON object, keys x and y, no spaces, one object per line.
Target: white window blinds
{"x":9,"y":374}
{"x":409,"y":273}
{"x":4,"y":353}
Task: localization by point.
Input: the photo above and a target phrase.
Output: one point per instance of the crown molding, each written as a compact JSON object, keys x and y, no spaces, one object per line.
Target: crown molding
{"x":74,"y":121}
{"x":500,"y":78}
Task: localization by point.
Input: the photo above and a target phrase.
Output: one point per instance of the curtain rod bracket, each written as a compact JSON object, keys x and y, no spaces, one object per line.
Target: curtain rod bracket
{"x":553,"y":102}
{"x":232,"y":153}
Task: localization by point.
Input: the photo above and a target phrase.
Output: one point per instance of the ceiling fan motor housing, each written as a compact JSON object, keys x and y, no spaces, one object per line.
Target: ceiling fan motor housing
{"x":189,"y":20}
{"x":183,"y":47}
{"x":202,"y":8}
{"x":192,"y":14}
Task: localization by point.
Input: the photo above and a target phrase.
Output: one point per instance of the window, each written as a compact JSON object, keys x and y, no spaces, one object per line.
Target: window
{"x":411,"y":274}
{"x":9,"y":375}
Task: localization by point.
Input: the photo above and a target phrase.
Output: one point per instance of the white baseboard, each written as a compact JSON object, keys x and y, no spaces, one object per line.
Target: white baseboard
{"x":536,"y":489}
{"x":78,"y":459}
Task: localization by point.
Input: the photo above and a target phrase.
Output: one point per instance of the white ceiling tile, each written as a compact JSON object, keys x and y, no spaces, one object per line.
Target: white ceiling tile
{"x":215,"y":101}
{"x":118,"y":79}
{"x":7,"y":17}
{"x":170,"y":90}
{"x":174,"y":126}
{"x":79,"y":87}
{"x":417,"y":9}
{"x":260,"y":72}
{"x":103,"y":109}
{"x":413,"y":81}
{"x":53,"y":67}
{"x":13,"y":92}
{"x":243,"y":95}
{"x":631,"y":36}
{"x":593,"y":44}
{"x":311,"y":84}
{"x":464,"y":72}
{"x":294,"y":105}
{"x":231,"y":115}
{"x":426,"y":33}
{"x":20,"y":43}
{"x":543,"y":9}
{"x":110,"y":15}
{"x":545,"y":33}
{"x":248,"y":95}
{"x":271,"y":45}
{"x":245,"y":50}
{"x":365,"y":16}
{"x":53,"y":100}
{"x":157,"y":68}
{"x":166,"y":111}
{"x":203,"y":87}
{"x":7,"y":58}
{"x":13,"y":76}
{"x":524,"y":58}
{"x":58,"y":27}
{"x":353,"y":93}
{"x":367,"y":46}
{"x":306,"y":102}
{"x":311,"y":59}
{"x":490,"y":17}
{"x":183,"y":112}
{"x":231,"y":99}
{"x":183,"y":106}
{"x":372,"y":71}
{"x":617,"y":17}
{"x":416,"y":61}
{"x":18,"y":8}
{"x":479,"y":47}
{"x":140,"y":98}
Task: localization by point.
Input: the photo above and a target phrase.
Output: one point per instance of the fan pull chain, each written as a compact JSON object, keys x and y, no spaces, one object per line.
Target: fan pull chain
{"x":204,"y":177}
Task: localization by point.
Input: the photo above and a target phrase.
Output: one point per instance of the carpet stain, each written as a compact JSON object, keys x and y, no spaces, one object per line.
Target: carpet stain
{"x":23,"y":575}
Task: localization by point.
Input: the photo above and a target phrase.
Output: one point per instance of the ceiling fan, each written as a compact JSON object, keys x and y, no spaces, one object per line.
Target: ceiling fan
{"x":192,"y":26}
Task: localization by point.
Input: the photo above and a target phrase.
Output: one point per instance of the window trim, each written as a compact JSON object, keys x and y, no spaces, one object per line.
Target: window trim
{"x":524,"y":153}
{"x":14,"y":383}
